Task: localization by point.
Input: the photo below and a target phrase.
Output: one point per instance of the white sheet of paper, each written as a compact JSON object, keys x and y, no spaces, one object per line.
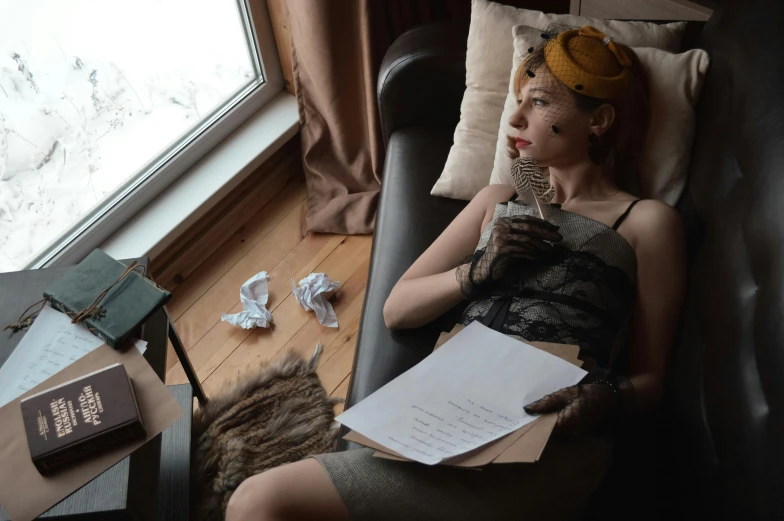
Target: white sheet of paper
{"x":49,"y":345}
{"x":310,"y":293}
{"x":254,"y":294}
{"x":466,"y":394}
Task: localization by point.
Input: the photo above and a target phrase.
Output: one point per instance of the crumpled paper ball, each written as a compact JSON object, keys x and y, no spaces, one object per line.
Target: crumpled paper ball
{"x":254,"y":295}
{"x":310,"y":293}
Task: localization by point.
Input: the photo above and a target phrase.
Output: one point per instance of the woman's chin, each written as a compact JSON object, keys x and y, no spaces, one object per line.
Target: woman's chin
{"x":539,"y":162}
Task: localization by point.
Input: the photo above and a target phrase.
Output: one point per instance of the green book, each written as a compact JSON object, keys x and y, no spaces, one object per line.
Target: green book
{"x":126,"y":305}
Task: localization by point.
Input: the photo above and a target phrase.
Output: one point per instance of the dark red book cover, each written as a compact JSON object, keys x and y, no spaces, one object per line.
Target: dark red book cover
{"x":80,"y":417}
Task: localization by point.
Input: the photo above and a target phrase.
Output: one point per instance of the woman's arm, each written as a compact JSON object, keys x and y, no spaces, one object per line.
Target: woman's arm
{"x":429,"y":288}
{"x":661,"y":286}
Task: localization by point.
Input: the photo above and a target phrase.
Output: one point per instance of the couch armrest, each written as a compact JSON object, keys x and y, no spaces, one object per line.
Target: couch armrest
{"x":409,"y":220}
{"x":422,"y":78}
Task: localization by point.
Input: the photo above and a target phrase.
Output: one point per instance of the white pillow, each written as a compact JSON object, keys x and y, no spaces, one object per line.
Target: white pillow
{"x":675,"y":82}
{"x":488,"y":56}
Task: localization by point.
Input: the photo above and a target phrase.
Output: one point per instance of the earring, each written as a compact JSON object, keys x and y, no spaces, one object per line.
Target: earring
{"x":596,"y":150}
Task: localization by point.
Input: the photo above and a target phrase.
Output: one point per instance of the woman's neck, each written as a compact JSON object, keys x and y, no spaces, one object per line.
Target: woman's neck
{"x":580,"y":182}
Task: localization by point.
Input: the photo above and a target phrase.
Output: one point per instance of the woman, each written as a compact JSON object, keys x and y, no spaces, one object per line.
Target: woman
{"x":592,"y":273}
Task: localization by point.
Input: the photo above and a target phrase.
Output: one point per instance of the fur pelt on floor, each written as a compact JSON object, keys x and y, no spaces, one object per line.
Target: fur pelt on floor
{"x":276,"y":414}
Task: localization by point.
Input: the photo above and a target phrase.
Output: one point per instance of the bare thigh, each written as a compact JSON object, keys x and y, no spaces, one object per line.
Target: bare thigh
{"x":301,"y":491}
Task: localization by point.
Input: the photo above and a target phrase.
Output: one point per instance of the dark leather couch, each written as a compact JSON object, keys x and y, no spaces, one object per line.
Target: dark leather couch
{"x":715,"y":449}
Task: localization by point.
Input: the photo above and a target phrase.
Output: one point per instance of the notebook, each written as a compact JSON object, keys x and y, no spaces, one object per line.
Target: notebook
{"x":126,"y":305}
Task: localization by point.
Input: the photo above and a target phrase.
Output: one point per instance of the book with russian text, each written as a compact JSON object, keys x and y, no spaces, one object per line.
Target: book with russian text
{"x":81,"y":417}
{"x":122,"y":310}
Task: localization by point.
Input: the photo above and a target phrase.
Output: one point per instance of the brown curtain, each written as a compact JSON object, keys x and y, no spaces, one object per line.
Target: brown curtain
{"x":337,"y":47}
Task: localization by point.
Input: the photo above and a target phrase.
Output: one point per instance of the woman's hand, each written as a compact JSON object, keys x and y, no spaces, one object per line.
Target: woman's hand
{"x":582,"y":406}
{"x":512,"y":239}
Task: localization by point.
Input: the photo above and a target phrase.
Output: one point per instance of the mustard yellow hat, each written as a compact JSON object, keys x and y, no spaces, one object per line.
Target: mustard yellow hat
{"x":588,"y":61}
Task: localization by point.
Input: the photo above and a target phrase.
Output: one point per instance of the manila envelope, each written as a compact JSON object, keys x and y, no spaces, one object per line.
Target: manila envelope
{"x":517,"y":447}
{"x":24,"y":493}
{"x":480,"y":457}
{"x":566,"y":351}
{"x":525,"y":445}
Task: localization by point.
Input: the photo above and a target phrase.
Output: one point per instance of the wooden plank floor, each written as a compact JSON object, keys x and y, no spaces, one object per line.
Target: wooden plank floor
{"x":272,"y":240}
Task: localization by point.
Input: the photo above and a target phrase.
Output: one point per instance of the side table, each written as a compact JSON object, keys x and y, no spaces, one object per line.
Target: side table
{"x":152,"y":482}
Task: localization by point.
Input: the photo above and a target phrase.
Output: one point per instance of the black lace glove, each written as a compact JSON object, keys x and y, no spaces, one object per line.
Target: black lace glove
{"x":581,"y":407}
{"x":513,"y":239}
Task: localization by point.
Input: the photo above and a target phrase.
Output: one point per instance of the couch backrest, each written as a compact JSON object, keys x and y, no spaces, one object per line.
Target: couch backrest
{"x":727,"y":393}
{"x":422,"y":78}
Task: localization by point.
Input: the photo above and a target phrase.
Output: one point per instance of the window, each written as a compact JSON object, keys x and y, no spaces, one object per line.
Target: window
{"x":103,"y":104}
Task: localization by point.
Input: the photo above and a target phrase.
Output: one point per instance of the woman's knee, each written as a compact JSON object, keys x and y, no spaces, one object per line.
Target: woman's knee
{"x":256,"y":499}
{"x":299,"y":490}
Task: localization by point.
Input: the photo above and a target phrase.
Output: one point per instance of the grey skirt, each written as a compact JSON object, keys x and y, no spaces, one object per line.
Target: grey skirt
{"x":556,"y":487}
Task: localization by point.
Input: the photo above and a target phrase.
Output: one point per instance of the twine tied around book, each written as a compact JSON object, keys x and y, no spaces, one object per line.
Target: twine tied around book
{"x":25,"y":320}
{"x":93,"y":310}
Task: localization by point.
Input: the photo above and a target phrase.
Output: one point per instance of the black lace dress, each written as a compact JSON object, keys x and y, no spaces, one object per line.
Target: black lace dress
{"x":585,"y":297}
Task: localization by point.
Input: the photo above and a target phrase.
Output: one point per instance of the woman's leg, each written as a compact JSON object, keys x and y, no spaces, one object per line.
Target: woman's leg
{"x":299,"y":490}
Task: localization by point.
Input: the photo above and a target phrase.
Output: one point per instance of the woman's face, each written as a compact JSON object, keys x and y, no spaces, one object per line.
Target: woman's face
{"x":548,"y":125}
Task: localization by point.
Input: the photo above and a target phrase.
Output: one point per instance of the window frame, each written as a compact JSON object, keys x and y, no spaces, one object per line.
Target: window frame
{"x":90,"y":231}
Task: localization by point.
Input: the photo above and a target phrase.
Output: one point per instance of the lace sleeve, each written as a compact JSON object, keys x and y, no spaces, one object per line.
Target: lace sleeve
{"x":468,"y":286}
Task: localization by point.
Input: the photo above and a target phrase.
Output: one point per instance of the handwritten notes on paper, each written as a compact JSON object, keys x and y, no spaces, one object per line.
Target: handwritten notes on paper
{"x":462,"y":427}
{"x":51,"y":344}
{"x":469,"y":392}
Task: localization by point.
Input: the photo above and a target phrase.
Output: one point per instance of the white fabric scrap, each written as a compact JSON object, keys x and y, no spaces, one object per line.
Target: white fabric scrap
{"x":253,"y":295}
{"x":310,"y":295}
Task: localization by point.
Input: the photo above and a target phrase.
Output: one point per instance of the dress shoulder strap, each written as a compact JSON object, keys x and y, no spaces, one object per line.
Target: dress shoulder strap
{"x":625,"y":215}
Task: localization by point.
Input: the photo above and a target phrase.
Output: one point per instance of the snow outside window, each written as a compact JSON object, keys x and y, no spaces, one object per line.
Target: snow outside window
{"x":96,"y":94}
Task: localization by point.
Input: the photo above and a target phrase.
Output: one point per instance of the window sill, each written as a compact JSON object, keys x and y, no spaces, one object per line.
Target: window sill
{"x":192,"y":195}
